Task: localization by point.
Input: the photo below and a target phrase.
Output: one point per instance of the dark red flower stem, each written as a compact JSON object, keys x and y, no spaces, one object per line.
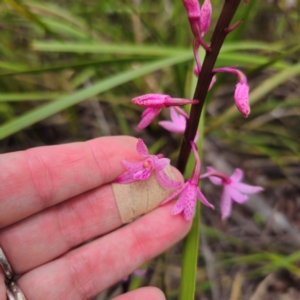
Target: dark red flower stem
{"x":205,"y":76}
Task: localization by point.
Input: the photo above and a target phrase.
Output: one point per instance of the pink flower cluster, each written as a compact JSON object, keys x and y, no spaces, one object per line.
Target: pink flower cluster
{"x":189,"y":192}
{"x":200,"y":21}
{"x":233,"y":189}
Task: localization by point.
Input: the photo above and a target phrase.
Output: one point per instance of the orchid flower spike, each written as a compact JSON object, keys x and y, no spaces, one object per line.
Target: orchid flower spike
{"x":154,"y":104}
{"x":190,"y":192}
{"x":143,"y":170}
{"x":194,"y":14}
{"x":233,"y":189}
{"x":178,"y":123}
{"x":241,"y":94}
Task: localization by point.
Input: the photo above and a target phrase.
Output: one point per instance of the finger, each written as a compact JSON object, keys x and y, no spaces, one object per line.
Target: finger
{"x":145,"y":293}
{"x":85,"y":271}
{"x":2,"y":286}
{"x":54,"y":231}
{"x":35,"y":179}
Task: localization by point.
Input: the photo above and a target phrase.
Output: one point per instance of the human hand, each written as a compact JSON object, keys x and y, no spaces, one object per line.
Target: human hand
{"x":55,"y":198}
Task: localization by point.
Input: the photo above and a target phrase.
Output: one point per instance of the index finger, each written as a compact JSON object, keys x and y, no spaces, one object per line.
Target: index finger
{"x":41,"y":177}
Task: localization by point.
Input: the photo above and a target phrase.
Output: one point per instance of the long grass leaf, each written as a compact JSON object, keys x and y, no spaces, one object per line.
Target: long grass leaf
{"x":47,"y":46}
{"x":64,"y":102}
{"x":30,"y":16}
{"x":16,"y":97}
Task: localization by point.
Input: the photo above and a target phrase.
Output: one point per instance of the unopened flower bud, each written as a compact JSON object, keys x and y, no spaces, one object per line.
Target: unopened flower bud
{"x":205,"y":17}
{"x":241,"y":98}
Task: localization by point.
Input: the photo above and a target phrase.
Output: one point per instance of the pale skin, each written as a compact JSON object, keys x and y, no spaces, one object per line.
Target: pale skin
{"x":55,"y":198}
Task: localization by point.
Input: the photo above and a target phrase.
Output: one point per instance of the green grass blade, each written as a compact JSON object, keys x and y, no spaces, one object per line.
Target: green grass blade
{"x":30,"y":16}
{"x":75,"y":65}
{"x":190,"y":259}
{"x":49,"y":46}
{"x":16,"y":97}
{"x":64,"y":102}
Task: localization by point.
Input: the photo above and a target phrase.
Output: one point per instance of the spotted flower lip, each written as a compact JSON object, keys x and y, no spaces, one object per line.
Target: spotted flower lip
{"x":160,"y":101}
{"x":233,"y":189}
{"x":143,"y":170}
{"x":190,"y":192}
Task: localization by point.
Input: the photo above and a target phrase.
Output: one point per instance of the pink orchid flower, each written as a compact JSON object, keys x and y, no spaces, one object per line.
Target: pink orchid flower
{"x":194,"y":14}
{"x":233,"y":189}
{"x":154,"y":104}
{"x":190,"y":192}
{"x":241,"y":94}
{"x":178,"y":123}
{"x":143,"y":170}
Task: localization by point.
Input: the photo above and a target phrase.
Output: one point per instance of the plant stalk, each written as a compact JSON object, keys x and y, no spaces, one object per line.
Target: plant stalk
{"x":204,"y":79}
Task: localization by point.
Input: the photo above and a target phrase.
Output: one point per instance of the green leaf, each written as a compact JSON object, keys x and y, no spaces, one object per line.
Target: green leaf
{"x":49,"y":46}
{"x":12,"y":97}
{"x":101,"y":86}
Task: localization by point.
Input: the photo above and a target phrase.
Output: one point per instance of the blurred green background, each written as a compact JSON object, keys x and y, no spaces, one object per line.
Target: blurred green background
{"x":68,"y":70}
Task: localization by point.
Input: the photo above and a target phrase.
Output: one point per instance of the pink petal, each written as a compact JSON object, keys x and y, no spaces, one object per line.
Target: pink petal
{"x":205,"y":18}
{"x":126,"y":177}
{"x":179,"y":206}
{"x":226,"y":203}
{"x":237,"y":175}
{"x":175,"y":117}
{"x":174,"y":194}
{"x":165,"y":181}
{"x":192,"y":8}
{"x":151,"y":100}
{"x":146,"y":112}
{"x":246,"y":188}
{"x":213,"y":81}
{"x":142,"y":148}
{"x":236,"y":195}
{"x":148,"y":116}
{"x":132,"y":166}
{"x":142,"y":174}
{"x":160,"y":163}
{"x":203,"y":199}
{"x":172,"y":127}
{"x":215,"y":180}
{"x":241,"y":97}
